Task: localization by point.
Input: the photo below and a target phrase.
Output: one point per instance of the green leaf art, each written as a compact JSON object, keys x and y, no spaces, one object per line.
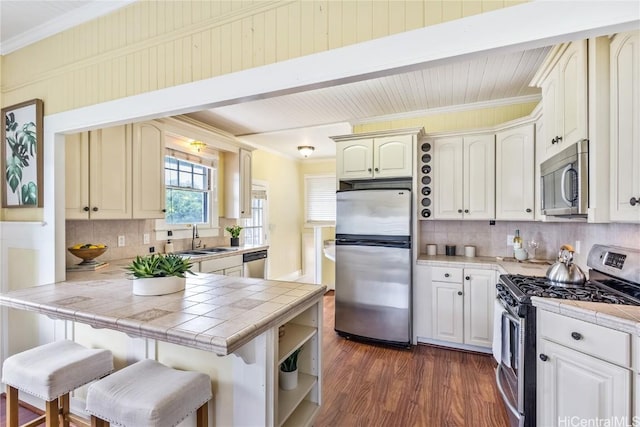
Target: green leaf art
{"x":30,"y":194}
{"x":22,"y":147}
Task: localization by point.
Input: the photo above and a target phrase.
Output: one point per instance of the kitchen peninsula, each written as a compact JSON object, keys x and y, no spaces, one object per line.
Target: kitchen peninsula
{"x":241,"y":320}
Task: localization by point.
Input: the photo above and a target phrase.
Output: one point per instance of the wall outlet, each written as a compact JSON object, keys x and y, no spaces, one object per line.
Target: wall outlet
{"x":146,"y":239}
{"x":577,"y":247}
{"x":509,"y":239}
{"x":120,"y":241}
{"x":152,"y":249}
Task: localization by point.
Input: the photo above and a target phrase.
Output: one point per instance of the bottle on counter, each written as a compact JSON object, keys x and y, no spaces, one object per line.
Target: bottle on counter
{"x":517,"y":241}
{"x":168,"y":247}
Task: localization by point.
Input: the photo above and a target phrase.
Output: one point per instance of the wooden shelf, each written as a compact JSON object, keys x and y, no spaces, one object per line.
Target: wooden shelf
{"x":304,"y":415}
{"x":294,"y":337}
{"x":288,"y":400}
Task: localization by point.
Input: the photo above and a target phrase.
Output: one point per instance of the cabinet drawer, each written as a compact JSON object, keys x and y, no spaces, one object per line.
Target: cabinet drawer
{"x":604,"y":343}
{"x":212,"y":265}
{"x":446,"y":274}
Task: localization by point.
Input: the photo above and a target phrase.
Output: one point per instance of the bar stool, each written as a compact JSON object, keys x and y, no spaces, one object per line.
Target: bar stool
{"x":50,"y":372}
{"x":148,"y":394}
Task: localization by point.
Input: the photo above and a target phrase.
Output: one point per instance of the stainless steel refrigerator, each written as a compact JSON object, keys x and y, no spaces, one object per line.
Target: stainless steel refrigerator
{"x":373,"y":265}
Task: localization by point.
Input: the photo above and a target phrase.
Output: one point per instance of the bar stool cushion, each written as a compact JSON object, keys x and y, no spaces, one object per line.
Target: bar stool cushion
{"x":51,"y":370}
{"x":148,"y":393}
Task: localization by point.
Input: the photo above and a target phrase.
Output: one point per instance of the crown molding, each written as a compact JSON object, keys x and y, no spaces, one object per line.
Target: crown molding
{"x":450,"y":109}
{"x":70,"y":19}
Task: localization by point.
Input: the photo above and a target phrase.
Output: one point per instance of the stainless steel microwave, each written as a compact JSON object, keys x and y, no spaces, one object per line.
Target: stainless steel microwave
{"x":565,"y":181}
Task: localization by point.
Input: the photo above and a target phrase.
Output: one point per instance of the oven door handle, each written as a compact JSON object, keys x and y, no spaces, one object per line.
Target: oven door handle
{"x":510,"y":317}
{"x":511,"y":407}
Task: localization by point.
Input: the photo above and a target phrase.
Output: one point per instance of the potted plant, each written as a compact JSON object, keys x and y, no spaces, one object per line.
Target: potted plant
{"x":289,"y":371}
{"x":234,"y":230}
{"x":159,"y":274}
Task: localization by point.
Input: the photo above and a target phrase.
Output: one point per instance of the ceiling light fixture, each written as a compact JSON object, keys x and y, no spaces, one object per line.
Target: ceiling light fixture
{"x":305,"y":150}
{"x":198,"y":145}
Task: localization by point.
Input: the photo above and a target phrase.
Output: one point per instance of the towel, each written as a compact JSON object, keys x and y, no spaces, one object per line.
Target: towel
{"x":498,"y":309}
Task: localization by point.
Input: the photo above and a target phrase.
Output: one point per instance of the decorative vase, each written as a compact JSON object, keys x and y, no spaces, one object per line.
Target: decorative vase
{"x":288,"y":380}
{"x":235,"y":241}
{"x":158,"y":285}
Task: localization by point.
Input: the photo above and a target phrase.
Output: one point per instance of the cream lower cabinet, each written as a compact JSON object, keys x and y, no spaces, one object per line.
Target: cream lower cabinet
{"x":462,"y":303}
{"x":515,"y":150}
{"x":227,"y":266}
{"x":98,"y":174}
{"x":625,"y":132}
{"x":583,"y":372}
{"x":464,"y":177}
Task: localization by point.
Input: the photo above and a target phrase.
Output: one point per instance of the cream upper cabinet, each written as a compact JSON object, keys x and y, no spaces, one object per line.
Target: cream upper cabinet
{"x":583,"y":371}
{"x":105,"y":190}
{"x":464,"y":177}
{"x":515,"y":174}
{"x":237,"y":169}
{"x":479,"y":297}
{"x":625,"y":128}
{"x":374,"y":155}
{"x":564,"y":97}
{"x":148,"y":171}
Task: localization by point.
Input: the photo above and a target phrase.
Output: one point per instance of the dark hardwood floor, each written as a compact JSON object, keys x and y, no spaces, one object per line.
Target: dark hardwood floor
{"x":368,"y":385}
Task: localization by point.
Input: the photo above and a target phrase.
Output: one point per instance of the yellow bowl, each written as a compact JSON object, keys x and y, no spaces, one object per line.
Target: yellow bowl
{"x":87,"y":255}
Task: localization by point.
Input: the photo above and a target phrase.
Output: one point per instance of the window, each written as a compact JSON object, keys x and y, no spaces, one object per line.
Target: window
{"x":254,"y":227}
{"x":188,"y":191}
{"x":320,"y":198}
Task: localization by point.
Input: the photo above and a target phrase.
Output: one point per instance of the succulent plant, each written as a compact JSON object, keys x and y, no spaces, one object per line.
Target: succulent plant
{"x":160,"y":265}
{"x":290,"y":364}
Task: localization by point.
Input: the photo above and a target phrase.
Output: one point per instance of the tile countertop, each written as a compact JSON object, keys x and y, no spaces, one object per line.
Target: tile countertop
{"x":214,"y":313}
{"x":491,"y":263}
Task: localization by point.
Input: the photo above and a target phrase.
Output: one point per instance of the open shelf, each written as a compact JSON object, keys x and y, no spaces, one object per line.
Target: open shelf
{"x":294,"y":337}
{"x":303,"y":416}
{"x":288,"y":400}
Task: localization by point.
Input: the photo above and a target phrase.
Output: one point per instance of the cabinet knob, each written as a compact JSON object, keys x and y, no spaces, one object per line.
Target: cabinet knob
{"x":164,"y":210}
{"x":369,"y":170}
{"x":543,"y":357}
{"x":95,"y":209}
{"x":466,"y":211}
{"x":446,"y":274}
{"x":86,"y":209}
{"x":633,"y":201}
{"x":528,"y":210}
{"x":459,"y":210}
{"x":459,"y":292}
{"x":377,"y":170}
{"x":467,"y":278}
{"x":576,"y":336}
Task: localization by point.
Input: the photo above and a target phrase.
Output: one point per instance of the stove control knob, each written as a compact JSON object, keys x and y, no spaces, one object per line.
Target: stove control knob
{"x":544,"y":357}
{"x":576,"y":336}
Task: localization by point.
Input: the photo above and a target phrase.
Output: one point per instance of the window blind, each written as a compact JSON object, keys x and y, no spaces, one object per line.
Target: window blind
{"x":320,"y":198}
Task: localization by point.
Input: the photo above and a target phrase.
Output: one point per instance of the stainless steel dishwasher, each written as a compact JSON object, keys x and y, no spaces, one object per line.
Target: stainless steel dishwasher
{"x":255,"y":264}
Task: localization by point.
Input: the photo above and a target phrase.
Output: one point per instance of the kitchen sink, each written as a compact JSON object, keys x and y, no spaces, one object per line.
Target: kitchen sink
{"x":204,"y":251}
{"x":210,"y":250}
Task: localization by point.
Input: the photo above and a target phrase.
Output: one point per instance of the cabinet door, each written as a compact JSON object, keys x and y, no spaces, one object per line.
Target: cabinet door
{"x":245,"y":183}
{"x":625,"y":132}
{"x":354,"y":159}
{"x":479,"y":298}
{"x":574,"y":384}
{"x":447,"y":178}
{"x":76,"y":151}
{"x":110,"y":173}
{"x":515,"y":174}
{"x":551,"y":116}
{"x":479,"y":177}
{"x":447,"y":303}
{"x":148,"y":171}
{"x":393,"y":157}
{"x":573,"y":80}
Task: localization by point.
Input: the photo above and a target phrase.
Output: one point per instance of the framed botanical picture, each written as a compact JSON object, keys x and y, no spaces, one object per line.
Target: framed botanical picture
{"x":22,"y":142}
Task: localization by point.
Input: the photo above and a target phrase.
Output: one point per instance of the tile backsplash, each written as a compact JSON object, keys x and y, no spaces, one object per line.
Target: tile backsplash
{"x":107,"y":232}
{"x":491,"y":240}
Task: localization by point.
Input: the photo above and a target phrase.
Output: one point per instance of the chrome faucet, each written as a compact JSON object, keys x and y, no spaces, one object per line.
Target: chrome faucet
{"x":195,"y":236}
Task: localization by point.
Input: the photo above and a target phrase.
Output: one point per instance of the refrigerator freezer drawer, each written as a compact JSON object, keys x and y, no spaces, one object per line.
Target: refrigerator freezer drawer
{"x":373,"y":293}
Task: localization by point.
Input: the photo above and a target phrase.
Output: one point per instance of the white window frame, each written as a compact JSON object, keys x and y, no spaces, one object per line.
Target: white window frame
{"x":259,"y":185}
{"x":308,"y":223}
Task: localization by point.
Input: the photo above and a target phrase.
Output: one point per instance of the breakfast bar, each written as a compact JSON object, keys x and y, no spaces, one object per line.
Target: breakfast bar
{"x":255,"y":322}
